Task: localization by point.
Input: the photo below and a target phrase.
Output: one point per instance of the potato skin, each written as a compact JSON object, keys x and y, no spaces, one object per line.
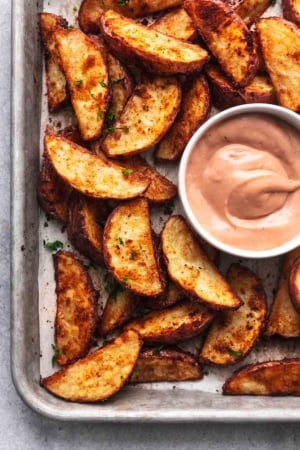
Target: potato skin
{"x":294,"y":284}
{"x":291,"y":11}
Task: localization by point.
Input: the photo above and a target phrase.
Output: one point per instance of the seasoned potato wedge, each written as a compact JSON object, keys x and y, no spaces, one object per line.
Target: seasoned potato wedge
{"x":172,"y":295}
{"x":294,"y":284}
{"x":90,"y":174}
{"x":147,"y":116}
{"x":87,"y":78}
{"x":165,"y":364}
{"x":129,"y":251}
{"x":99,"y":375}
{"x":57,"y":93}
{"x":176,"y":23}
{"x":85,"y":226}
{"x":291,"y":11}
{"x":228,"y":38}
{"x":76,"y":313}
{"x":266,"y":378}
{"x":178,"y":323}
{"x":251,"y":10}
{"x":225,"y":94}
{"x":153,"y":50}
{"x":189,"y":266}
{"x":194,"y":110}
{"x":234,"y":333}
{"x":280,"y":42}
{"x":284,"y":320}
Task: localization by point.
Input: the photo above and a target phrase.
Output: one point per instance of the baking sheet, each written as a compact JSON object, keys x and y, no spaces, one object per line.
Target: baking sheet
{"x":33,"y":299}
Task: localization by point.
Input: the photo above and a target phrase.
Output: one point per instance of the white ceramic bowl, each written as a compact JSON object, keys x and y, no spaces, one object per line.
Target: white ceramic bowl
{"x":275,"y":111}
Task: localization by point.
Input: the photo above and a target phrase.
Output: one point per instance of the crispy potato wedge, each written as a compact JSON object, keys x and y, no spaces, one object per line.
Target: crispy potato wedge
{"x":291,"y":11}
{"x":280,"y":42}
{"x":176,"y":23}
{"x":149,"y":48}
{"x":234,"y":333}
{"x":146,"y":118}
{"x":266,"y":378}
{"x":129,"y":251}
{"x":165,"y":364}
{"x":294,"y":284}
{"x":251,"y":10}
{"x":76,"y":313}
{"x":72,"y":133}
{"x":189,"y":266}
{"x":172,"y":295}
{"x":87,"y":78}
{"x":178,"y":323}
{"x":225,"y":94}
{"x":227,"y":37}
{"x":52,"y":192}
{"x":99,"y":375}
{"x":85,"y":226}
{"x":90,"y":174}
{"x":57,"y":93}
{"x":284,"y":320}
{"x":194,"y":110}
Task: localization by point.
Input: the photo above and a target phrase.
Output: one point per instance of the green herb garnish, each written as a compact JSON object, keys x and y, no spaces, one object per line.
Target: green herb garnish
{"x":54,"y":246}
{"x":127,"y":171}
{"x":102,"y":83}
{"x":118,"y":81}
{"x":125,"y":280}
{"x":56,"y":353}
{"x":234,"y":353}
{"x":111,"y":286}
{"x":120,"y":240}
{"x":100,"y":114}
{"x":78,"y":82}
{"x":122,"y":2}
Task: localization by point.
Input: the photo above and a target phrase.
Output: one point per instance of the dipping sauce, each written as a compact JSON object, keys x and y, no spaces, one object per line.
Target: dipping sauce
{"x":243,"y":181}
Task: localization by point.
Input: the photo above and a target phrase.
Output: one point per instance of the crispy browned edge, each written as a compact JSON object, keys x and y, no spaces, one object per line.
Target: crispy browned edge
{"x":91,"y":292}
{"x":72,"y":133}
{"x":173,"y":294}
{"x":293,"y":284}
{"x":290,"y":11}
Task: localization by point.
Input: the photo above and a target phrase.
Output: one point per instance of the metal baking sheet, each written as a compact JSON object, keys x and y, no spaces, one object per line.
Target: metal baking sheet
{"x":33,"y":300}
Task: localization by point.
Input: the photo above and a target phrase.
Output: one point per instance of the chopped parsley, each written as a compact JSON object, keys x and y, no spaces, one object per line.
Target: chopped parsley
{"x":100,"y":114}
{"x":125,"y":280}
{"x":78,"y":82}
{"x":127,"y":171}
{"x":111,"y":286}
{"x":118,"y":81}
{"x":92,"y":94}
{"x":234,"y":353}
{"x":54,"y":246}
{"x":122,"y":2}
{"x":56,"y":353}
{"x":112,"y":129}
{"x":102,"y":83}
{"x":120,"y":240}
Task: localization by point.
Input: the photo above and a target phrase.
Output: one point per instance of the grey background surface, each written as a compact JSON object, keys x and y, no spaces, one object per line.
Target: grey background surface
{"x":20,"y":428}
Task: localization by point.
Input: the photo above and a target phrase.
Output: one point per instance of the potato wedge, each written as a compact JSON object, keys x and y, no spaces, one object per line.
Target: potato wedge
{"x":194,"y":110}
{"x":251,"y":10}
{"x":146,"y":118}
{"x":280,"y":42}
{"x":76,"y":313}
{"x":90,"y":174}
{"x":234,"y":333}
{"x":284,"y":321}
{"x":227,"y":37}
{"x":291,"y":11}
{"x":149,"y":48}
{"x":176,"y":23}
{"x":129,"y":251}
{"x":57,"y":93}
{"x":266,"y":378}
{"x":72,"y":133}
{"x":87,"y":78}
{"x":172,"y":295}
{"x":85,"y":226}
{"x":294,"y":284}
{"x":165,"y":364}
{"x":178,"y":323}
{"x":99,"y":375}
{"x":189,"y":266}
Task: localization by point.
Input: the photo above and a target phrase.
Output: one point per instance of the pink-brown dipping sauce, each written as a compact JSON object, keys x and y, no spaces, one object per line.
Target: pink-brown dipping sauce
{"x":243,"y":181}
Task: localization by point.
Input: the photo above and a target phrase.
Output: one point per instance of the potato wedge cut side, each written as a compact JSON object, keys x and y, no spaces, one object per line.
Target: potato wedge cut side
{"x":90,"y":174}
{"x":227,"y":36}
{"x":87,"y":78}
{"x":189,"y":266}
{"x":266,"y":378}
{"x":234,"y":333}
{"x":176,"y":23}
{"x":99,"y":375}
{"x":147,"y":116}
{"x":155,"y":51}
{"x":165,"y":364}
{"x":76,"y":313}
{"x":294,"y":285}
{"x":291,"y":11}
{"x":129,"y":251}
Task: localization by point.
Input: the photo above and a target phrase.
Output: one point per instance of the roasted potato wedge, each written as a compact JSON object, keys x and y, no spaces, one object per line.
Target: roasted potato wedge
{"x":251,"y":10}
{"x":172,"y":295}
{"x":234,"y":333}
{"x":266,"y":378}
{"x":149,"y":48}
{"x":194,"y":110}
{"x":291,"y":11}
{"x":189,"y":266}
{"x":76,"y":313}
{"x":99,"y":375}
{"x":87,"y":78}
{"x":129,"y":251}
{"x":284,"y":320}
{"x":178,"y":323}
{"x":90,"y":174}
{"x":227,"y":37}
{"x":280,"y":43}
{"x":72,"y":133}
{"x":85,"y":225}
{"x":57,"y":93}
{"x":147,"y":116}
{"x":165,"y":364}
{"x":294,"y":284}
{"x":176,"y":23}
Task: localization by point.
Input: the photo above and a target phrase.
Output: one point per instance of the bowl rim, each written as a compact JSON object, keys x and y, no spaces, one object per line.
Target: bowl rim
{"x":277,"y":111}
